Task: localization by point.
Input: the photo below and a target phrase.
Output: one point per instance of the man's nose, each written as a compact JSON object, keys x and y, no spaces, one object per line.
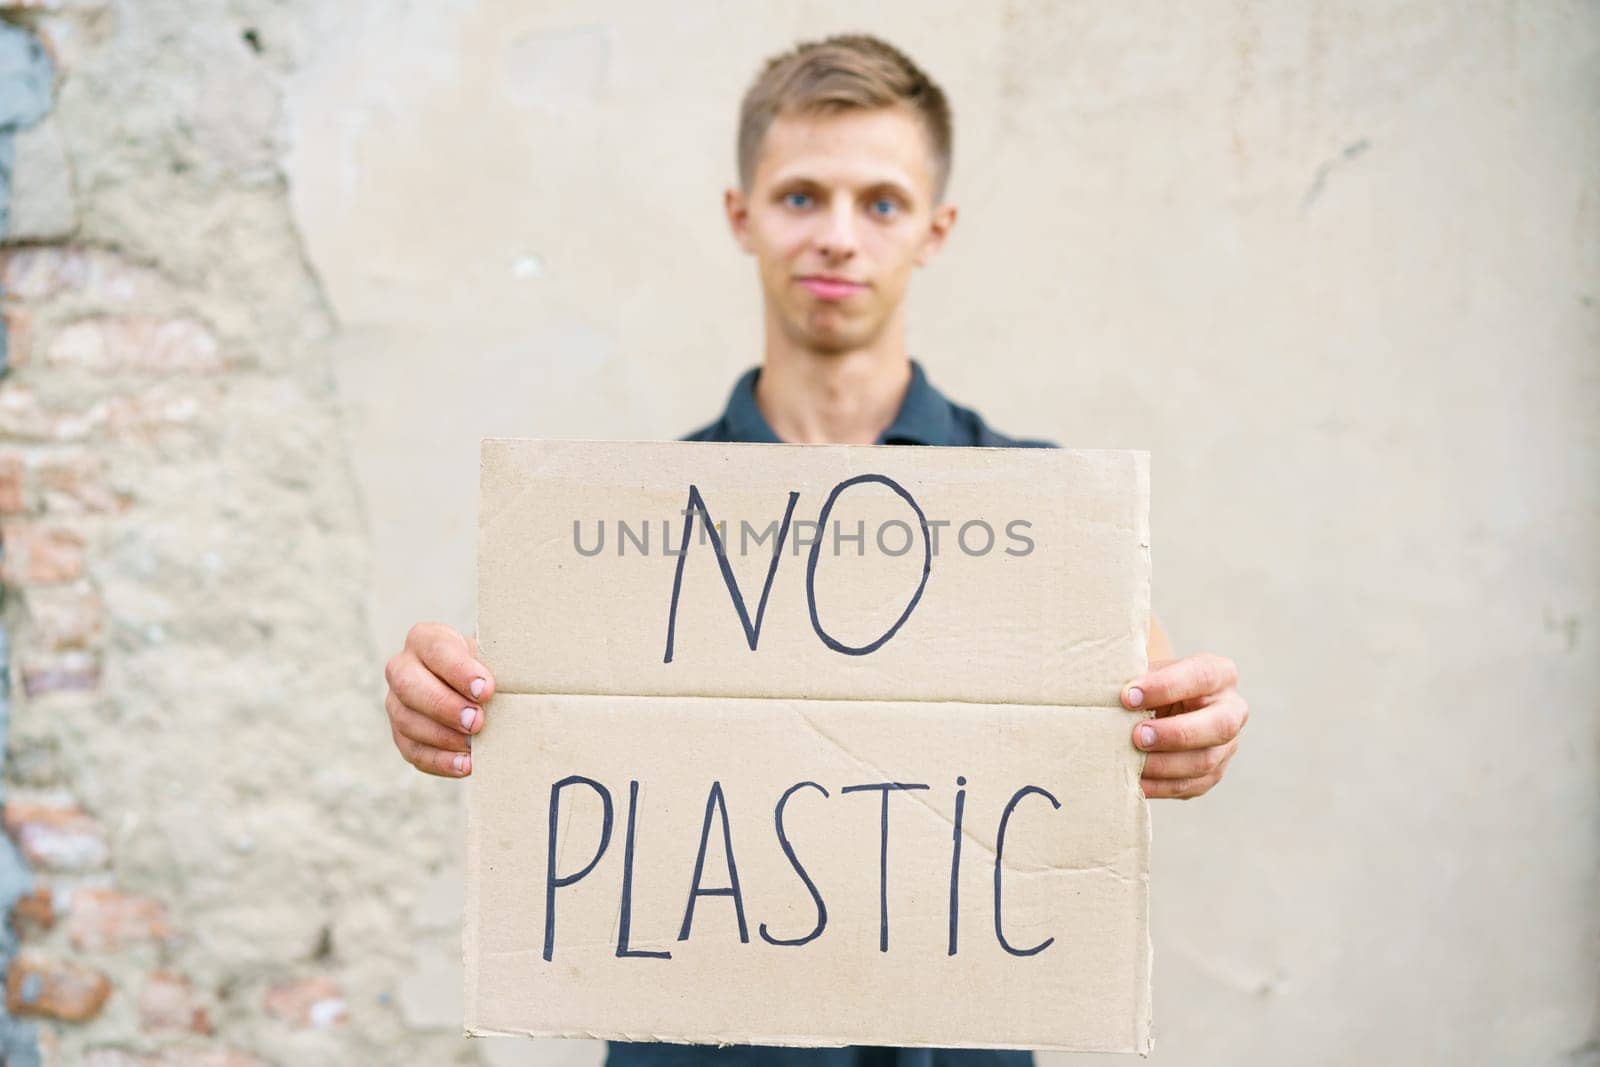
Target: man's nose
{"x":838,"y":238}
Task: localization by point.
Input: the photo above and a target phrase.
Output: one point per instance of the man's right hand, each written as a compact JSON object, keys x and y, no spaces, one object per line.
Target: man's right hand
{"x":437,"y":689}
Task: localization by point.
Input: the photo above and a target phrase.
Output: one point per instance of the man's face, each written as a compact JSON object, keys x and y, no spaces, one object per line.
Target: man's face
{"x":840,"y":209}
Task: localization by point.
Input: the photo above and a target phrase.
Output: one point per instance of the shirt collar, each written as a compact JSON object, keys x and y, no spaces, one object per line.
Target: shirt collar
{"x":923,"y":419}
{"x":744,"y":419}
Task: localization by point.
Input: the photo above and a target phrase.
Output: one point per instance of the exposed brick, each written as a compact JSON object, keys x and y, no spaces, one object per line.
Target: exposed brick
{"x":67,"y":672}
{"x":13,"y":500}
{"x":39,"y":553}
{"x":168,"y":1003}
{"x":64,"y":618}
{"x":75,"y":481}
{"x":107,"y":919}
{"x":18,"y":325}
{"x":37,"y":985}
{"x":309,"y":1002}
{"x":135,"y":343}
{"x":57,"y":837}
{"x":35,"y":910}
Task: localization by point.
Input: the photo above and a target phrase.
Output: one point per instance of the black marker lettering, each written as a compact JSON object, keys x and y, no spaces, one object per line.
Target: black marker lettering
{"x":625,"y":923}
{"x":816,"y":555}
{"x":955,"y":863}
{"x":551,"y":881}
{"x":883,"y":849}
{"x":999,"y":850}
{"x":715,"y":802}
{"x":752,"y":631}
{"x":794,"y":861}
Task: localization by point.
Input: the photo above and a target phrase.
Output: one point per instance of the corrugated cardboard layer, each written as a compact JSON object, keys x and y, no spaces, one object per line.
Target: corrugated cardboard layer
{"x":1037,"y":589}
{"x":1076,"y":873}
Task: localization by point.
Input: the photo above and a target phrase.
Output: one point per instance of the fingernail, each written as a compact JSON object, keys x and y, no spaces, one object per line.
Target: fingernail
{"x":468,"y":717}
{"x":1135,"y":696}
{"x":1147,"y":735}
{"x":462,"y":763}
{"x":477,"y":687}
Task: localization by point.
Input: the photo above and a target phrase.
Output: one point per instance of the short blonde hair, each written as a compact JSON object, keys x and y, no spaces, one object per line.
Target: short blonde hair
{"x":849,"y":71}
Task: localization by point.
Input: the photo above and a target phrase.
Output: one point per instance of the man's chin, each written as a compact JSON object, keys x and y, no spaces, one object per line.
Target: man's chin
{"x":828,"y":339}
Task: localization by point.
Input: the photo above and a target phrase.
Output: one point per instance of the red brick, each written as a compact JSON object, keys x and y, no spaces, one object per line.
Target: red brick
{"x":169,"y":1003}
{"x":99,"y":920}
{"x":13,"y":500}
{"x":309,"y":1002}
{"x":63,"y":618}
{"x":57,"y":837}
{"x":36,"y":985}
{"x":39,"y":554}
{"x":68,"y":672}
{"x":135,"y":343}
{"x":36,"y":909}
{"x":17,"y":323}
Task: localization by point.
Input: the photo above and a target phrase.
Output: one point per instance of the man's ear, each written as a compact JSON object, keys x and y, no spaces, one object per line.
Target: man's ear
{"x":939,"y":227}
{"x":737,"y":208}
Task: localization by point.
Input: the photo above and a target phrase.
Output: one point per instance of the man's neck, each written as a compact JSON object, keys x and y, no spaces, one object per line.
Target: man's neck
{"x":841,"y":398}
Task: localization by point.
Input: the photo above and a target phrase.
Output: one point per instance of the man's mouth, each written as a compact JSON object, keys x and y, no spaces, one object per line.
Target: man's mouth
{"x":828,"y":287}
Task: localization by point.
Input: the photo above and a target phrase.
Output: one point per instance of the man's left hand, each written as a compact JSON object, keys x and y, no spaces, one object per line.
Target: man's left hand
{"x":1195,"y":732}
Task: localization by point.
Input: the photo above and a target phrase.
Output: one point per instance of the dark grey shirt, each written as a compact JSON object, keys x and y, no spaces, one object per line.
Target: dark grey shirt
{"x":925,"y":418}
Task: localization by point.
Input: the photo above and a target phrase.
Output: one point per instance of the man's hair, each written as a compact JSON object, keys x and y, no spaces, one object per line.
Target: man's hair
{"x":843,"y":73}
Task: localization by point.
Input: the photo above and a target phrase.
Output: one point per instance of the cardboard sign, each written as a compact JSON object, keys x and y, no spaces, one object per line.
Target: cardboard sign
{"x":810,"y":746}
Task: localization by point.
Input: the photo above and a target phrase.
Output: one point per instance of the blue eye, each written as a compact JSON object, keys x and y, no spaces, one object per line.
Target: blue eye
{"x":884,"y":207}
{"x":796,"y":199}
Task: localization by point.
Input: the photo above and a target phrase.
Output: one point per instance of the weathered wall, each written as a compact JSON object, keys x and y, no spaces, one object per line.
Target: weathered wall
{"x":221,"y":866}
{"x":1335,"y":266}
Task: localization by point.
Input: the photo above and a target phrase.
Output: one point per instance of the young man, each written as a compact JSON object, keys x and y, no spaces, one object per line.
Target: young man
{"x":844,"y":152}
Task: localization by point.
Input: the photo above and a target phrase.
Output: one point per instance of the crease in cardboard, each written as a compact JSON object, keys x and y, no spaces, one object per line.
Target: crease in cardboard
{"x":966,"y":831}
